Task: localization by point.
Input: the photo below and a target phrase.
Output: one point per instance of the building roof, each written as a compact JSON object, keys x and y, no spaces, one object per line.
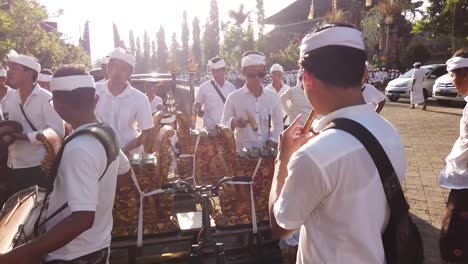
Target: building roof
{"x":296,"y":12}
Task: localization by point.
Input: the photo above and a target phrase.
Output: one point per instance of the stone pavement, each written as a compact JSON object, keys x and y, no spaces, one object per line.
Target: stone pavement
{"x":428,"y":137}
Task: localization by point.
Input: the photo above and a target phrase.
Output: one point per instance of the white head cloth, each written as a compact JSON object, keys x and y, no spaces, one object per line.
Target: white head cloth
{"x":276,"y":67}
{"x":121,"y":54}
{"x":253,"y":59}
{"x":456,"y":63}
{"x":70,"y":83}
{"x":24,"y":60}
{"x":41,"y":77}
{"x":216,"y":65}
{"x":415,"y":64}
{"x":105,"y":60}
{"x":339,"y":36}
{"x":2,"y":72}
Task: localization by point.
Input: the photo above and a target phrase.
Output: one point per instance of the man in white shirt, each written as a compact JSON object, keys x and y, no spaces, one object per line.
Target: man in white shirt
{"x":295,"y":103}
{"x":156,"y":102}
{"x":123,"y":107}
{"x":417,"y":94}
{"x":373,"y":96}
{"x":212,"y":94}
{"x":328,"y":185}
{"x":43,"y":79}
{"x":5,"y":92}
{"x":105,"y":74}
{"x":85,"y":181}
{"x":252,"y":112}
{"x":29,"y":105}
{"x":277,"y":86}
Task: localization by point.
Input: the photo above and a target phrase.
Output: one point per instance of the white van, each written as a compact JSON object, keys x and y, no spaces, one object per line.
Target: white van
{"x":444,"y":90}
{"x":401,"y":86}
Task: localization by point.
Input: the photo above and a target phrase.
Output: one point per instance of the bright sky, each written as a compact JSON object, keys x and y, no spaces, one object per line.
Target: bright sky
{"x":139,"y":15}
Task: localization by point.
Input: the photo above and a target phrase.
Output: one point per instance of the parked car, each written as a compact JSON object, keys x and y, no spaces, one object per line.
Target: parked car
{"x":444,"y":90}
{"x":401,"y":86}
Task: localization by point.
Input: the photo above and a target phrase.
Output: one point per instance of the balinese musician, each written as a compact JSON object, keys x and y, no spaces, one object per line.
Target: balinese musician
{"x":123,"y":107}
{"x":252,"y":112}
{"x":29,"y":105}
{"x":85,"y":179}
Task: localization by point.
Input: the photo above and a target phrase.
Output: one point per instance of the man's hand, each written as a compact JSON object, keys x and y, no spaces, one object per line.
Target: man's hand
{"x":291,"y":140}
{"x":239,"y":123}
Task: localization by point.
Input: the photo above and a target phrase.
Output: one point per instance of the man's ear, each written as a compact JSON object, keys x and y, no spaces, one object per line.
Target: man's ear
{"x":364,"y":77}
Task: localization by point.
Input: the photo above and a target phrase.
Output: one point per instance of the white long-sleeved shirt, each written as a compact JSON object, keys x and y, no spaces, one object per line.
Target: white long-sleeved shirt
{"x":455,"y":173}
{"x":266,"y":109}
{"x":212,"y":103}
{"x":26,"y":154}
{"x":295,"y":102}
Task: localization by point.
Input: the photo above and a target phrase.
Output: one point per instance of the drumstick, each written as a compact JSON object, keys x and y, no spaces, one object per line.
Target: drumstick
{"x":308,"y":122}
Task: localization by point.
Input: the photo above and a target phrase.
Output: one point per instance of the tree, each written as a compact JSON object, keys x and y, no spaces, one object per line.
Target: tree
{"x":239,"y":16}
{"x":416,"y":51}
{"x":261,"y":24}
{"x":211,"y":34}
{"x":446,"y":17}
{"x":288,"y":57}
{"x":154,"y":57}
{"x":162,"y":52}
{"x":196,"y":44}
{"x":138,"y":57}
{"x":85,"y":41}
{"x":236,"y":40}
{"x":118,"y":43}
{"x":249,"y":43}
{"x":146,"y":53}
{"x":20,"y":30}
{"x":176,"y":53}
{"x":185,"y":36}
{"x":131,"y":39}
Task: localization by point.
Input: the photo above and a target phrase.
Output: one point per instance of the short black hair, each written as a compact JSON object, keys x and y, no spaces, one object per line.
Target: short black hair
{"x":336,"y":65}
{"x":81,"y":98}
{"x":47,"y":71}
{"x":216,"y":59}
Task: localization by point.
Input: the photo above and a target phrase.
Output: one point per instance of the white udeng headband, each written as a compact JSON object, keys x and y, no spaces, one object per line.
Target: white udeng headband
{"x":70,"y":83}
{"x":217,"y":65}
{"x":41,"y":77}
{"x":253,"y":59}
{"x":456,"y":63}
{"x":339,"y":36}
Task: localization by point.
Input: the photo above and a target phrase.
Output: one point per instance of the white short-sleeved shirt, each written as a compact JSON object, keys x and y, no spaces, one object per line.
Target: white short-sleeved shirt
{"x":77,"y":183}
{"x":157,"y":101}
{"x":372,"y":95}
{"x":9,"y":94}
{"x":266,"y":110}
{"x":455,"y":173}
{"x":212,"y":103}
{"x":333,"y":192}
{"x":283,"y":89}
{"x":26,"y":154}
{"x":295,"y":102}
{"x":127,"y":113}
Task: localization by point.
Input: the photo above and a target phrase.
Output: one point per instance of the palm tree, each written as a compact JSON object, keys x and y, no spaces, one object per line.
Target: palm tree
{"x":239,"y":16}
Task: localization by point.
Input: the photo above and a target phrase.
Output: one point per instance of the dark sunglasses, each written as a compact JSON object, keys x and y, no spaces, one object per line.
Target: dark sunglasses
{"x":252,"y":75}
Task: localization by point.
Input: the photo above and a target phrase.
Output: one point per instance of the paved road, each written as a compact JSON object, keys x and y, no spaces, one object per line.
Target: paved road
{"x":428,"y":137}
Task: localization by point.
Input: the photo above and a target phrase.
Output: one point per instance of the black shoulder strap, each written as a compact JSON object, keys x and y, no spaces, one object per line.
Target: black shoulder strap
{"x":218,"y":91}
{"x":391,"y":185}
{"x":106,"y":137}
{"x":363,"y":88}
{"x":27,"y":119}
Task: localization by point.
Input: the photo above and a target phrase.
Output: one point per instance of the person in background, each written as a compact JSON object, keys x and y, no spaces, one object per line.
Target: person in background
{"x":104,"y":64}
{"x":252,"y":112}
{"x":417,"y":94}
{"x":277,"y":85}
{"x":453,"y":237}
{"x":43,"y":79}
{"x":156,"y":102}
{"x":6,"y":92}
{"x":373,"y":96}
{"x":212,"y":94}
{"x":295,"y":103}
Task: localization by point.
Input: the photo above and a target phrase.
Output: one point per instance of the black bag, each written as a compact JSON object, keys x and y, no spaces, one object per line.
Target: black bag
{"x":401,"y":239}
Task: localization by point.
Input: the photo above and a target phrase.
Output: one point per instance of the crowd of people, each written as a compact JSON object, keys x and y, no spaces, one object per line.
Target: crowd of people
{"x":327,"y":196}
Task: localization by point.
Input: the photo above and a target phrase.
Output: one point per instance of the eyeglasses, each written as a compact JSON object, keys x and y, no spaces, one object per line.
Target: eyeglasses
{"x":252,"y":75}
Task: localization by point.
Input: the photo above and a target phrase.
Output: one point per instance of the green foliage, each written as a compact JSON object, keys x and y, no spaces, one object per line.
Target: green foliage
{"x":185,"y":35}
{"x":162,"y":51}
{"x":211,"y":34}
{"x":20,"y":29}
{"x":138,"y":57}
{"x":261,"y":24}
{"x":288,"y":57}
{"x":131,"y":39}
{"x":416,"y":51}
{"x":196,"y":45}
